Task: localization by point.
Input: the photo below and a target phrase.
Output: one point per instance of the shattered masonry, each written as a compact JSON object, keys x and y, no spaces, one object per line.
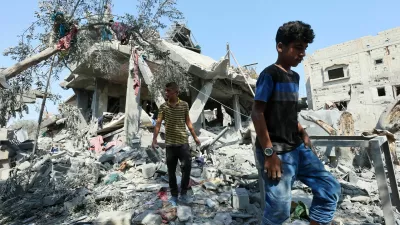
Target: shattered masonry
{"x":94,"y":164}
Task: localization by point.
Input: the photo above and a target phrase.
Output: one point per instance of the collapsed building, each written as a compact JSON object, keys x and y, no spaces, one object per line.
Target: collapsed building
{"x":102,"y":171}
{"x":361,"y":76}
{"x":213,"y":83}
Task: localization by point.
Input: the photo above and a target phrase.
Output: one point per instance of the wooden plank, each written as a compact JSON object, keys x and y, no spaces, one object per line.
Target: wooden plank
{"x":374,"y":153}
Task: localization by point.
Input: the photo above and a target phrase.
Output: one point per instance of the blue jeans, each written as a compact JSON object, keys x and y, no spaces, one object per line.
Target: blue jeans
{"x":304,"y":165}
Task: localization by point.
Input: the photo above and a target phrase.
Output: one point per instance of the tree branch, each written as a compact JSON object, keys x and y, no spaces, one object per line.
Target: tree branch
{"x":73,"y":11}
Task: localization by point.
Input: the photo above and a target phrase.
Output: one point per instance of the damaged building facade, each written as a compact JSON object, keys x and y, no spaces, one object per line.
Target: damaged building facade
{"x":97,"y":93}
{"x":361,"y":76}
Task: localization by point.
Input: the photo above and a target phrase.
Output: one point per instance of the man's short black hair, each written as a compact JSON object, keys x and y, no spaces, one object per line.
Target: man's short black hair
{"x":294,"y":31}
{"x":172,"y":85}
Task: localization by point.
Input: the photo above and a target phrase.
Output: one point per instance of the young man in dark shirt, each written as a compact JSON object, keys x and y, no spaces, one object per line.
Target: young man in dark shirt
{"x":283,"y":146}
{"x":175,"y":113}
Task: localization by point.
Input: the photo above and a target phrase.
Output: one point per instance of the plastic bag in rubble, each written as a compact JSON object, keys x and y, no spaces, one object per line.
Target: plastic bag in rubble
{"x":112,"y":178}
{"x":300,"y":211}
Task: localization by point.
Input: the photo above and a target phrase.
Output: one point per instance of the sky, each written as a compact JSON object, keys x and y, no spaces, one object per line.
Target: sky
{"x":248,"y":26}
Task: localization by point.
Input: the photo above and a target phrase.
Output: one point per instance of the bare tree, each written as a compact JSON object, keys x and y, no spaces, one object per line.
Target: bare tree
{"x":67,"y":29}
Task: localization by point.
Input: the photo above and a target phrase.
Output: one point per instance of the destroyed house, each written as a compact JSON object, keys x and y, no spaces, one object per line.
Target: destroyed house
{"x":361,"y":76}
{"x":214,"y":83}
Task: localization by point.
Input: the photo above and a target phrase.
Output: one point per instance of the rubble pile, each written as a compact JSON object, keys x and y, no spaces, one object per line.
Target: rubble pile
{"x":101,"y":180}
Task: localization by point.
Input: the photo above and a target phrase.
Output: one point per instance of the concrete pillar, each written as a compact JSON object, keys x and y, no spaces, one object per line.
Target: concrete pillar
{"x":100,"y":98}
{"x":148,"y":77}
{"x":82,"y":102}
{"x":132,"y":107}
{"x":236,"y":113}
{"x":201,"y":99}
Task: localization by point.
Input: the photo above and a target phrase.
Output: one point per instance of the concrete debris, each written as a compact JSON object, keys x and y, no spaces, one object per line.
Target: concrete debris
{"x":184,"y":213}
{"x":100,"y":179}
{"x":129,"y":185}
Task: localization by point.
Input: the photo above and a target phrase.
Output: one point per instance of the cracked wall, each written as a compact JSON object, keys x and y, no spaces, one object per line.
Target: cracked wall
{"x":363,"y":74}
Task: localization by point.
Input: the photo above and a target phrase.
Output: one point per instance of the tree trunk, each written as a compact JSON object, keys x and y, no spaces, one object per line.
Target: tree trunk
{"x":14,"y":70}
{"x":43,"y":105}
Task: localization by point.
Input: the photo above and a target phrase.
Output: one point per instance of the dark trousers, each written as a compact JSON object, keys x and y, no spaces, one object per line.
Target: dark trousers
{"x":181,"y":152}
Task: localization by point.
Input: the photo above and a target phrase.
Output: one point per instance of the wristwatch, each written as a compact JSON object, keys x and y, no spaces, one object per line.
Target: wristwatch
{"x":268,"y":151}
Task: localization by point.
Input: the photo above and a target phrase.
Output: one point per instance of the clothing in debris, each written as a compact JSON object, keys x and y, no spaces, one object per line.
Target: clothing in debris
{"x":65,"y":42}
{"x":304,"y":165}
{"x":106,"y":34}
{"x":59,"y":25}
{"x":175,"y":122}
{"x":122,"y":31}
{"x":280,"y":91}
{"x":96,"y":144}
{"x":174,"y":153}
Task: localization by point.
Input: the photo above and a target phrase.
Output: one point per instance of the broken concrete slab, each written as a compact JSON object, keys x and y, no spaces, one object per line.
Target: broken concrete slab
{"x":4,"y":154}
{"x":4,"y":173}
{"x":209,"y":173}
{"x":3,"y":134}
{"x":198,"y":105}
{"x":223,"y":218}
{"x":184,"y":213}
{"x":52,"y":200}
{"x":210,"y":186}
{"x":24,"y":165}
{"x":114,"y":217}
{"x":148,"y":217}
{"x":240,"y":198}
{"x":148,"y":170}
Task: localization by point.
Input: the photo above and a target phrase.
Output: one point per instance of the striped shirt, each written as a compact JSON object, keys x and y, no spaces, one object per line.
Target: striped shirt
{"x":175,"y":122}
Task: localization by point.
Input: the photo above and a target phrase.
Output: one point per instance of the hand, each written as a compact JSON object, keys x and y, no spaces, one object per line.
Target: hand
{"x":307,"y":143}
{"x":154,"y":144}
{"x":273,"y":167}
{"x":306,"y":140}
{"x":196,"y":139}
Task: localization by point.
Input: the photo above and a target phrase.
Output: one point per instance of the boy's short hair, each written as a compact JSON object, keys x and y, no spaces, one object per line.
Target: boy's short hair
{"x":172,"y":85}
{"x":295,"y":31}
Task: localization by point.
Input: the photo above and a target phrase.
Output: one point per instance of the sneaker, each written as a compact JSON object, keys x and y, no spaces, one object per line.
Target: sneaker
{"x":173,"y":201}
{"x":185,"y":199}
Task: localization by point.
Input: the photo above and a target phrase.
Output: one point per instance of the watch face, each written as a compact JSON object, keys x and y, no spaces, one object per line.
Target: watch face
{"x":268,"y":151}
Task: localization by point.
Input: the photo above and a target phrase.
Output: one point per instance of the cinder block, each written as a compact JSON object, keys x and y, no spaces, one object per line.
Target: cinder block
{"x":240,"y":198}
{"x":3,"y":134}
{"x":4,"y":174}
{"x":4,"y":154}
{"x":4,"y":163}
{"x":148,"y":170}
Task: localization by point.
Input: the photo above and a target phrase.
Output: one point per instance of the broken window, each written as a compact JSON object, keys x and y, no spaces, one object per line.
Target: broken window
{"x":113,"y":105}
{"x":378,"y":61}
{"x":342,"y":105}
{"x":381,"y":91}
{"x":396,"y":90}
{"x":336,"y":73}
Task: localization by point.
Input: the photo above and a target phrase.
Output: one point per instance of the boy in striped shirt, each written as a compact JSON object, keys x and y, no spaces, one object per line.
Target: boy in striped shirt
{"x":175,"y":113}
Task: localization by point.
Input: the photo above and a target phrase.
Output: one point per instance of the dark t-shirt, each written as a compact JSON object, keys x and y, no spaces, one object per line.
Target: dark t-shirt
{"x":280,"y":90}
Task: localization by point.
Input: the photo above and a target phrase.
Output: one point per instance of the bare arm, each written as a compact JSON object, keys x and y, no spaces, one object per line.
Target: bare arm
{"x":157,"y":128}
{"x":260,"y":125}
{"x":306,"y":138}
{"x":190,"y":126}
{"x":301,"y":130}
{"x":272,"y":164}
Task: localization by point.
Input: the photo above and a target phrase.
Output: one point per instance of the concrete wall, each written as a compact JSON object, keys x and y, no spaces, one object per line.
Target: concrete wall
{"x":362,"y":76}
